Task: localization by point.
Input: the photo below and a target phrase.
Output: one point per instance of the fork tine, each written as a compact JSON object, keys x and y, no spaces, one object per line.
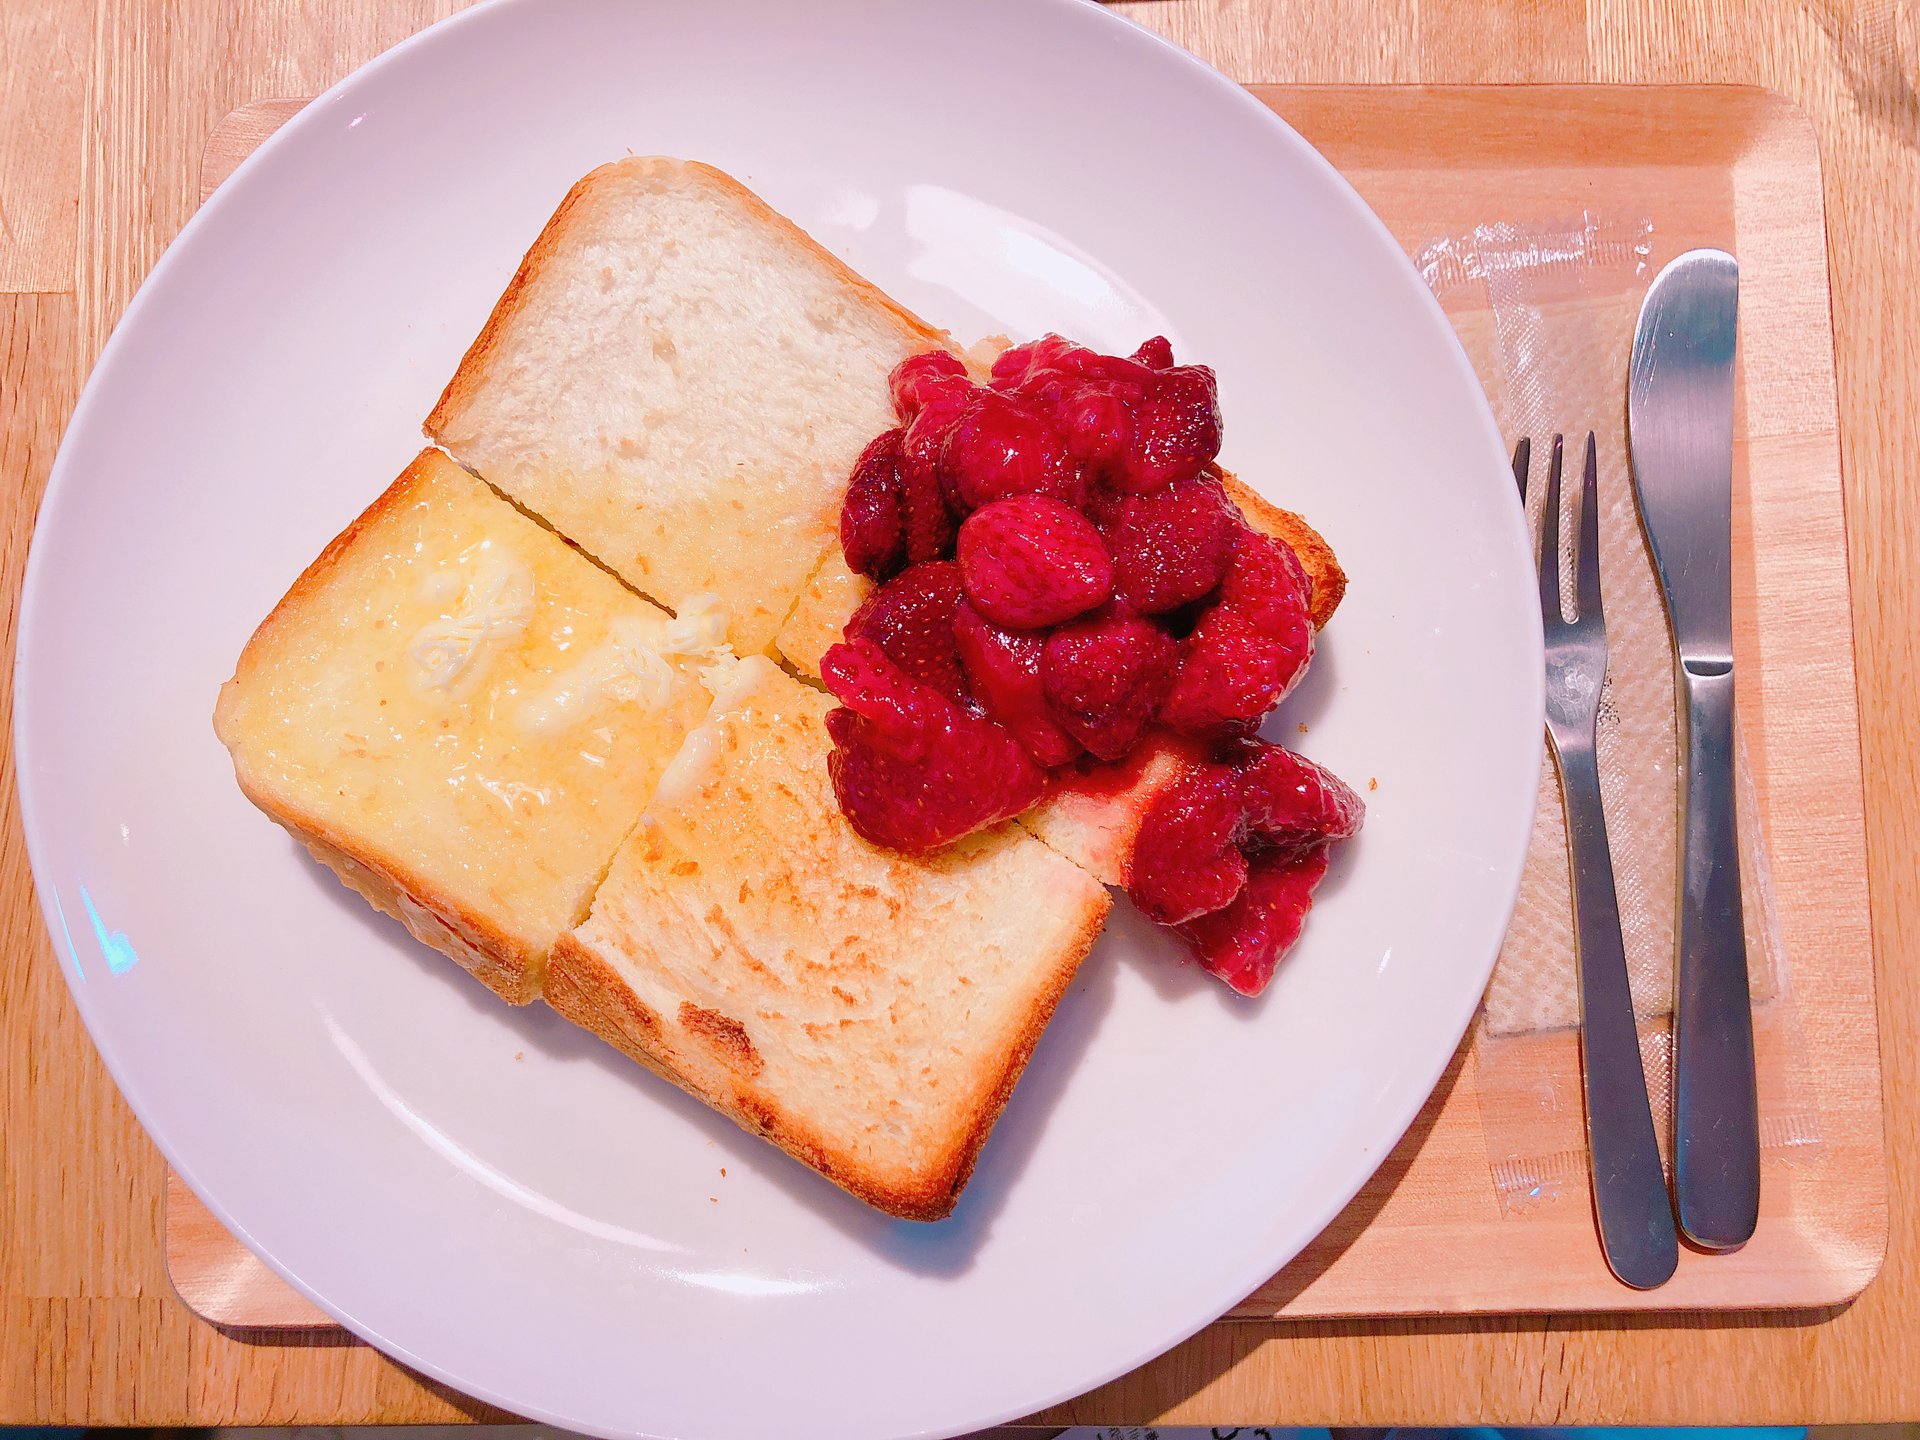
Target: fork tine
{"x":1550,"y":609}
{"x":1522,"y":462}
{"x":1587,"y":572}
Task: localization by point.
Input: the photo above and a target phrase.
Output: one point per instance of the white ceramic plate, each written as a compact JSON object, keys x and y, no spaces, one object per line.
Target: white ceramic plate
{"x":414,"y":1155}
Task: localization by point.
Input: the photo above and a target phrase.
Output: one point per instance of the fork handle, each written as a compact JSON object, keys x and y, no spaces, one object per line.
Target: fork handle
{"x":1629,"y":1190}
{"x":1716,"y":1130}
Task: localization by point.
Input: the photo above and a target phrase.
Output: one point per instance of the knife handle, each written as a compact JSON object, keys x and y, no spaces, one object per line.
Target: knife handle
{"x":1629,"y":1192}
{"x":1716,"y":1124}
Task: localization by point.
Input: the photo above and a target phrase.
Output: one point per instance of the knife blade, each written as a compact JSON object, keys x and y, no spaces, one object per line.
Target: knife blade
{"x":1680,"y":434}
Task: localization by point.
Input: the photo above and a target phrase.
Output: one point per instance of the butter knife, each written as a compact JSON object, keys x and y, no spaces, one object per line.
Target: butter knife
{"x":1680,"y":431}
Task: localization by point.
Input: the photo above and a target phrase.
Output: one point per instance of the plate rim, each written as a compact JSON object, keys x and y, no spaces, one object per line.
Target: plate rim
{"x":1173,"y":1330}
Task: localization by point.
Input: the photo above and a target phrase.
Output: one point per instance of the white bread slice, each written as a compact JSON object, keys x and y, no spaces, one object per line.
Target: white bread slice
{"x":462,"y":717}
{"x":679,"y":380}
{"x":867,"y":1011}
{"x":832,"y":593}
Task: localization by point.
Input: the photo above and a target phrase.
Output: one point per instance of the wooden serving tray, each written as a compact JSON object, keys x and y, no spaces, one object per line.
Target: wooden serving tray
{"x":1710,"y":165}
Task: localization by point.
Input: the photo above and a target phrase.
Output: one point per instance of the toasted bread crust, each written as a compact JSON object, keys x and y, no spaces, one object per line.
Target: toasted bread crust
{"x":587,"y":990}
{"x":967,"y":1151}
{"x":509,"y":969}
{"x":394,"y":499}
{"x":503,"y":964}
{"x":468,"y":379}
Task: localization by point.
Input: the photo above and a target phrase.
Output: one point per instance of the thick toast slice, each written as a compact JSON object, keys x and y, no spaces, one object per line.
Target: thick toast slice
{"x":481,"y":730}
{"x":868,"y":1012}
{"x":462,"y":717}
{"x":679,"y":380}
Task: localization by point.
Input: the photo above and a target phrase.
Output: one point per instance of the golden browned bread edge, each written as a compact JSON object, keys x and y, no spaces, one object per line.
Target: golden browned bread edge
{"x":513,"y":971}
{"x":967,"y":1151}
{"x":506,"y":966}
{"x":1326,"y":581}
{"x":468,"y":378}
{"x":588,"y":991}
{"x":308,"y":582}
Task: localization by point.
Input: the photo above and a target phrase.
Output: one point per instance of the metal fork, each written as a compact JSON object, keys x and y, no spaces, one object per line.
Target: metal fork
{"x":1629,"y":1191}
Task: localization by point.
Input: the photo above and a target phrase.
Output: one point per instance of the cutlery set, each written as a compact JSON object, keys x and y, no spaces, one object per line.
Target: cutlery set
{"x":1680,"y":437}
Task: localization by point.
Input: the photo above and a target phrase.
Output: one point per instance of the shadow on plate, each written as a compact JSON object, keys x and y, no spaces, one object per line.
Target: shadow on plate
{"x":1309,"y":702}
{"x":1160,"y":958}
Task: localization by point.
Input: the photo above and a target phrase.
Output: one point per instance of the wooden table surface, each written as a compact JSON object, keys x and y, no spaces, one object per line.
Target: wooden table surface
{"x":104,"y":106}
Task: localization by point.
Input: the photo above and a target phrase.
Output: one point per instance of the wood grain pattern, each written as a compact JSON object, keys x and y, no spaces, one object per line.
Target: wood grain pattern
{"x":42,"y":84}
{"x":91,"y":1333}
{"x":240,"y":133}
{"x":224,"y":1281}
{"x":1428,"y":1234}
